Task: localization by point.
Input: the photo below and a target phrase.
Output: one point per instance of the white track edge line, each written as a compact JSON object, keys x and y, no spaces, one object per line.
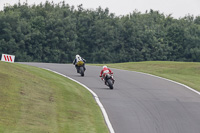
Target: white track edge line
{"x":164,"y":79}
{"x":96,"y":99}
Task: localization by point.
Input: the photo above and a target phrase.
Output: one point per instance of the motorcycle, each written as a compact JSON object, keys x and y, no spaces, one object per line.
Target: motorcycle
{"x":80,"y":67}
{"x":109,"y":80}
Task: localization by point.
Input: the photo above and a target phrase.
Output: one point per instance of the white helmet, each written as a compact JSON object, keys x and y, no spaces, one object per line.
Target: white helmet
{"x":77,"y":56}
{"x":105,"y":67}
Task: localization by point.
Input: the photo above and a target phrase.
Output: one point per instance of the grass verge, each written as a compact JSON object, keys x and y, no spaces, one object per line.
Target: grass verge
{"x":34,"y":100}
{"x":182,"y":72}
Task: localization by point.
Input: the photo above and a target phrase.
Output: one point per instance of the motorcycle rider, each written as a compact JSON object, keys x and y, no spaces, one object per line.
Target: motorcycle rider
{"x":105,"y":71}
{"x":78,"y":61}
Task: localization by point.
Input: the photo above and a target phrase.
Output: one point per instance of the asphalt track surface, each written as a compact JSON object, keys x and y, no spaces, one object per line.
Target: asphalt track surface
{"x":140,"y":103}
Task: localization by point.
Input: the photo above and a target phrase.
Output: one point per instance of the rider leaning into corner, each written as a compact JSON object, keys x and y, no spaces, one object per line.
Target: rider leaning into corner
{"x":103,"y":73}
{"x":77,"y":62}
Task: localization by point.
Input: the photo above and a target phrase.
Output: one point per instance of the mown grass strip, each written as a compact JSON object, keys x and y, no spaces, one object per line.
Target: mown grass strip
{"x":182,"y":72}
{"x":38,"y":101}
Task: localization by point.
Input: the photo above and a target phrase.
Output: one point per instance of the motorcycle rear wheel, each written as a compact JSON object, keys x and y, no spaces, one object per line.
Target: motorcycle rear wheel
{"x":110,"y":84}
{"x":82,"y":71}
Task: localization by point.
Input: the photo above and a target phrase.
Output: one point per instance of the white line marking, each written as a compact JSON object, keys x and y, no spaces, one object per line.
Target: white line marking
{"x":164,"y":79}
{"x":96,"y":98}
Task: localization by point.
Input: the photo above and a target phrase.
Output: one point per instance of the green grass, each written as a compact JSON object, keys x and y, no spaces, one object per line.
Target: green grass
{"x":187,"y":73}
{"x":33,"y":100}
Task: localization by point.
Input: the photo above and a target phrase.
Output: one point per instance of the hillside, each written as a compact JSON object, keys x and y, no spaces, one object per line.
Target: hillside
{"x":38,"y":101}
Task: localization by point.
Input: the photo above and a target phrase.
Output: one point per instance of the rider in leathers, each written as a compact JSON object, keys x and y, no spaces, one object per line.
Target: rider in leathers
{"x":76,"y":60}
{"x":105,"y":71}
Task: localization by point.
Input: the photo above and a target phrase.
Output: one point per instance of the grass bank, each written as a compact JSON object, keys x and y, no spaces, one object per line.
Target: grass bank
{"x":187,"y":73}
{"x":33,"y":100}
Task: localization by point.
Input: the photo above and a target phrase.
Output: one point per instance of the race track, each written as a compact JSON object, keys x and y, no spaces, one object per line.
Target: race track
{"x":140,"y":103}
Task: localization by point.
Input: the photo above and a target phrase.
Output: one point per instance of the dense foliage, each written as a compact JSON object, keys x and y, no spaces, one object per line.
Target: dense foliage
{"x":57,"y":32}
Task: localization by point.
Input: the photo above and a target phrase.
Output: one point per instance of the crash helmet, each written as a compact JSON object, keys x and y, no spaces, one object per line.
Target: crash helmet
{"x":105,"y":67}
{"x":77,"y":56}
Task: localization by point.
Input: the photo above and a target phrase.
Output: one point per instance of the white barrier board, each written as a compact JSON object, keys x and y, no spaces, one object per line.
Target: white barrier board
{"x":8,"y":58}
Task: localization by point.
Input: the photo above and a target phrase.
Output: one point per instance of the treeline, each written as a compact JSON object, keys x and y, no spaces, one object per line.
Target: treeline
{"x":57,"y":32}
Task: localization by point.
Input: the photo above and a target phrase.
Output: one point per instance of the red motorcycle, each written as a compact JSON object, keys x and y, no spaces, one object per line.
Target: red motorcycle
{"x":109,"y":80}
